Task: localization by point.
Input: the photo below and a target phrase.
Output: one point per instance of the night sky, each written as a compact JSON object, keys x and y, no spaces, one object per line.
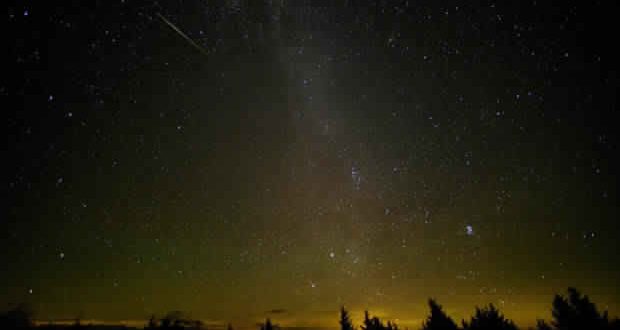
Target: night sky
{"x":239,"y":160}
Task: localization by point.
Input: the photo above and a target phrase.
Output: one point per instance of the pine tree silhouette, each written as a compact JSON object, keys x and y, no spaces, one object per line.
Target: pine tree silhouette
{"x":391,"y":326}
{"x":438,"y":320}
{"x":366,"y":325}
{"x":542,"y":325}
{"x":267,"y":325}
{"x":375,"y":323}
{"x":345,"y":320}
{"x":577,"y":312}
{"x":489,"y":319}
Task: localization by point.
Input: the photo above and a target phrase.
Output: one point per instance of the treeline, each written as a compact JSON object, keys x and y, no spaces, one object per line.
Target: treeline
{"x":572,"y":312}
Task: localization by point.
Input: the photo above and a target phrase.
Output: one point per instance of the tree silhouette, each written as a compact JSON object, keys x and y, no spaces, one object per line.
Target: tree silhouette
{"x":174,"y":320}
{"x":542,"y":325}
{"x":577,"y":312}
{"x":267,"y":325}
{"x":345,"y":320}
{"x":375,"y":323}
{"x":489,"y":318}
{"x":391,"y":326}
{"x":152,"y":323}
{"x":372,"y":323}
{"x":367,"y":324}
{"x":438,"y":320}
{"x":19,"y":317}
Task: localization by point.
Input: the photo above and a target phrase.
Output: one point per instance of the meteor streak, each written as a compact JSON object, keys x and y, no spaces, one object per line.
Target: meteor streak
{"x":183,"y":35}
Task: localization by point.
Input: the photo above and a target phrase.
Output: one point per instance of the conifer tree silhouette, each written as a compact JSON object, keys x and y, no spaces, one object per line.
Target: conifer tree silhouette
{"x":345,"y":320}
{"x":375,"y":323}
{"x":542,"y":325}
{"x":367,"y":324}
{"x":391,"y":326}
{"x":267,"y":325}
{"x":438,"y":320}
{"x":577,"y":312}
{"x":489,"y":318}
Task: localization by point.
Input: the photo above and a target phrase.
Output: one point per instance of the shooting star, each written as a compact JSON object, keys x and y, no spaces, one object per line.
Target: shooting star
{"x":183,"y":35}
